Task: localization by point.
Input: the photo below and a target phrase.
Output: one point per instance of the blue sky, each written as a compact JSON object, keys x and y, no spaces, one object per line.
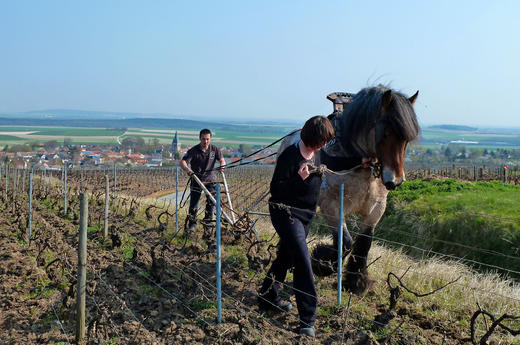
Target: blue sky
{"x":261,"y":60}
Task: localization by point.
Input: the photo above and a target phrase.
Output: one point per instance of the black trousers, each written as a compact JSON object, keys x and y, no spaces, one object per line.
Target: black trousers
{"x":292,"y":252}
{"x":195,"y":193}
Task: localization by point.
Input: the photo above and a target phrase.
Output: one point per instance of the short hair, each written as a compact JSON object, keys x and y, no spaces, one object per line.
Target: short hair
{"x":204,"y":132}
{"x":317,"y":131}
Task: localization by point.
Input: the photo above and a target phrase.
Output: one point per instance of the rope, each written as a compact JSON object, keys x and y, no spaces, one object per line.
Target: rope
{"x":322,"y":168}
{"x":258,"y":151}
{"x":234,"y":164}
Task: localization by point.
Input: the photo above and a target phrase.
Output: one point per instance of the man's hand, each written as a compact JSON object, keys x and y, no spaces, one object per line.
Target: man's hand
{"x":366,"y":162}
{"x":304,"y":171}
{"x":222,"y":165}
{"x":186,"y":168}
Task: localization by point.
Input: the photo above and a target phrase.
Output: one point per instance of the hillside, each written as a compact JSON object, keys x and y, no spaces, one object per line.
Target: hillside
{"x":149,"y":283}
{"x":478,"y":222}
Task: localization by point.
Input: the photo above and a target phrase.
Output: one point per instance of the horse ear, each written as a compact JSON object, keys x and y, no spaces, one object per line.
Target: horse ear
{"x":332,"y":96}
{"x":414,"y":97}
{"x":386,"y":99}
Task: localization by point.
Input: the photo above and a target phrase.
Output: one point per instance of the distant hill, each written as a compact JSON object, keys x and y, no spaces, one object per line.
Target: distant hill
{"x":68,"y":114}
{"x":454,"y":128}
{"x":107,"y":119}
{"x":143,"y":123}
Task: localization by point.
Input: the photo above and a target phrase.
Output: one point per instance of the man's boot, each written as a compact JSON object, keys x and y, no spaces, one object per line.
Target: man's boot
{"x":191,"y":224}
{"x":208,"y":215}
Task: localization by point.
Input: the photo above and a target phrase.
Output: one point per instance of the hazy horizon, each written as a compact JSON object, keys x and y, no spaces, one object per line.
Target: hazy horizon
{"x":274,"y":121}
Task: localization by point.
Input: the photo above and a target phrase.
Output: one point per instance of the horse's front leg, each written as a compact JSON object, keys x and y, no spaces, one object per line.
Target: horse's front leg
{"x":356,"y":279}
{"x":325,"y":256}
{"x":346,"y":239}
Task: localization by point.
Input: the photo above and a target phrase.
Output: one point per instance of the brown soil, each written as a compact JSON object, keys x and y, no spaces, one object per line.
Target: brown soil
{"x":147,"y":285}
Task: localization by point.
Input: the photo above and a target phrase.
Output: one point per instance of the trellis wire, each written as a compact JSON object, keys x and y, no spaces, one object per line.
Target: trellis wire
{"x":107,"y":316}
{"x":427,"y":250}
{"x":362,"y":234}
{"x":418,"y":248}
{"x":210,"y":285}
{"x":60,"y":323}
{"x":197,"y":316}
{"x":123,"y":303}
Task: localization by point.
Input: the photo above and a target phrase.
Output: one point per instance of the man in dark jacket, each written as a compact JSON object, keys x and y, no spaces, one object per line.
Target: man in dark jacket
{"x":202,"y":158}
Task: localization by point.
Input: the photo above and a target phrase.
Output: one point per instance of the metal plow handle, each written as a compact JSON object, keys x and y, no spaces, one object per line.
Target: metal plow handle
{"x":228,"y":197}
{"x":208,"y":195}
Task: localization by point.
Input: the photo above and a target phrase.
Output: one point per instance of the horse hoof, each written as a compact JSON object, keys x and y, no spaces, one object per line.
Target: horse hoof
{"x":324,"y":260}
{"x":358,"y":283}
{"x":323,"y":268}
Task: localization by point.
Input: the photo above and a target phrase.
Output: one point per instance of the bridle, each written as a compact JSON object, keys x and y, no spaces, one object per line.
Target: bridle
{"x":376,"y":168}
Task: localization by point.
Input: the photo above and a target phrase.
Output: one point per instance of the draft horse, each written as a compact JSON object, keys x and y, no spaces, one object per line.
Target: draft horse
{"x":377,"y":123}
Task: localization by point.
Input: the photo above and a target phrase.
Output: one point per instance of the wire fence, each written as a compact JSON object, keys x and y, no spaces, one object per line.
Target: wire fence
{"x":467,"y":172}
{"x":141,"y":196}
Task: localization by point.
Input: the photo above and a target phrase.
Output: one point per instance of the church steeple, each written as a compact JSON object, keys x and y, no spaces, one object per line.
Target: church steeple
{"x":175,"y":144}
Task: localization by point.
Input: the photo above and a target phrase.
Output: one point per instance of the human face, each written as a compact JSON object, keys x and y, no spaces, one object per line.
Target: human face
{"x":314,"y":149}
{"x":204,"y":141}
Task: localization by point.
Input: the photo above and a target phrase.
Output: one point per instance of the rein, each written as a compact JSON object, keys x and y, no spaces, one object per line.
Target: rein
{"x":234,"y":164}
{"x":375,"y":169}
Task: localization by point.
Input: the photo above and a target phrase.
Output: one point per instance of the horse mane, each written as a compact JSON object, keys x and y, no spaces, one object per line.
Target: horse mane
{"x":361,"y":115}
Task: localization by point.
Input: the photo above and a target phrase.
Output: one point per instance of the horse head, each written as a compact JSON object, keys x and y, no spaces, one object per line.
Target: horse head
{"x":379,"y":123}
{"x":393,"y":130}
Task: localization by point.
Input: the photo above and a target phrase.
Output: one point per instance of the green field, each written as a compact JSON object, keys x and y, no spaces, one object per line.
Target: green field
{"x":431,"y":137}
{"x":19,"y":128}
{"x":470,"y":220}
{"x":484,"y":138}
{"x":72,"y":132}
{"x":9,"y":138}
{"x":79,"y":135}
{"x":219,"y":136}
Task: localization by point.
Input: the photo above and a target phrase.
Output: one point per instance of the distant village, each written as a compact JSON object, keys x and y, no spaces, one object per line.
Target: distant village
{"x":134,"y":151}
{"x":127,"y":154}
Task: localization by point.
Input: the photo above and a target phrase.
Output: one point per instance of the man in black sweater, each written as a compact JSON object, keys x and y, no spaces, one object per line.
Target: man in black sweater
{"x":294,"y":197}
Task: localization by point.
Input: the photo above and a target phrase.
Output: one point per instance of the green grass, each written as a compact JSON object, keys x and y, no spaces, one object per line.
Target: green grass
{"x":235,"y":256}
{"x":481,"y":217}
{"x":202,"y":304}
{"x":127,"y":246}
